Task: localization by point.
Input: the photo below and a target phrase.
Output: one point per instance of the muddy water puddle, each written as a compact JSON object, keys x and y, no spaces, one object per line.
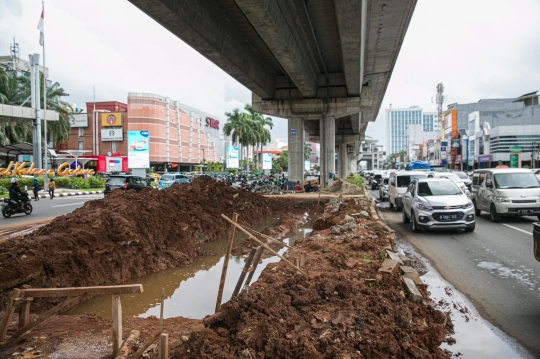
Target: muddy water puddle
{"x":190,"y":291}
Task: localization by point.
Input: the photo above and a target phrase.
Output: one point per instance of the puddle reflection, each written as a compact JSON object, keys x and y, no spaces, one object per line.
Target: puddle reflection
{"x":190,"y":291}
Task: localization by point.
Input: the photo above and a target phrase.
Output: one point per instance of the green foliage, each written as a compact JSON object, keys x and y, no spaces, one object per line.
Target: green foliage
{"x":280,"y":163}
{"x":356,"y":179}
{"x":316,"y":168}
{"x":3,"y":190}
{"x":392,"y":158}
{"x":307,"y":151}
{"x":61,"y":182}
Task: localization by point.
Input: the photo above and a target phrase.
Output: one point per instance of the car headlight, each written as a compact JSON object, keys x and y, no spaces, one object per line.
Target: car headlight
{"x":423,"y":206}
{"x":502,"y":199}
{"x":400,"y":194}
{"x":468,"y":205}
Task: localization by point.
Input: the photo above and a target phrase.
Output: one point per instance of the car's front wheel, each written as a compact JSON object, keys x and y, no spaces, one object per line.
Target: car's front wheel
{"x":415,"y":227}
{"x":476,"y":210}
{"x":404,"y":217}
{"x":493,"y":215}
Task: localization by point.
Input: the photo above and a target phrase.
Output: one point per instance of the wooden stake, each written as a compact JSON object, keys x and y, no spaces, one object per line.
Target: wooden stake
{"x":161,"y":322}
{"x":8,"y":313}
{"x":55,"y":310}
{"x":116,"y":325}
{"x":302,"y":259}
{"x":164,"y":346}
{"x":254,"y":263}
{"x":125,"y":350}
{"x":146,"y":346}
{"x":261,"y":243}
{"x":244,"y":272}
{"x":226,"y":263}
{"x":297,"y":264}
{"x":272,"y":239}
{"x":24,"y":312}
{"x":317,"y":209}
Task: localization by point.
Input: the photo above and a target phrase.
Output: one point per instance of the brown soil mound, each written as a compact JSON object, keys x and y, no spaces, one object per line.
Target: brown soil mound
{"x":342,"y":308}
{"x":127,"y":235}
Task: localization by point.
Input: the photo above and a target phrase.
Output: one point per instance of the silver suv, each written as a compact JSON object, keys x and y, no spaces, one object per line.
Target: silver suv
{"x":437,"y":203}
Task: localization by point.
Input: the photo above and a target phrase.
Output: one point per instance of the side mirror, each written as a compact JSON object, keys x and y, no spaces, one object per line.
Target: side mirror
{"x":489,"y":183}
{"x":393,"y":183}
{"x":467,"y":192}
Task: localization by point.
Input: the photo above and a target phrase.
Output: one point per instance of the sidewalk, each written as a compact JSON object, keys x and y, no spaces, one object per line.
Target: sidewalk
{"x":64,"y":192}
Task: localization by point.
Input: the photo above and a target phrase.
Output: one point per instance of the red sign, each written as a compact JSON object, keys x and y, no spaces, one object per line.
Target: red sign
{"x":210,"y":122}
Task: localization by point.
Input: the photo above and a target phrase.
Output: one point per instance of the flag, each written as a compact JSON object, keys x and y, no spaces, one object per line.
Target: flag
{"x":41,"y":28}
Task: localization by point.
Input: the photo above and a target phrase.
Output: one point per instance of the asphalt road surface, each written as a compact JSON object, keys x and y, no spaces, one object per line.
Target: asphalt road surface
{"x":494,"y":267}
{"x":46,"y":209}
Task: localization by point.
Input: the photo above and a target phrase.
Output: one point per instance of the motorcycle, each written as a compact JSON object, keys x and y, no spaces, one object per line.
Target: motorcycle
{"x":11,"y":207}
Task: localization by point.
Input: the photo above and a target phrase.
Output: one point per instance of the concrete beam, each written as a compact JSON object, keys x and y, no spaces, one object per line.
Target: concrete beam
{"x":310,"y":109}
{"x":277,"y":23}
{"x":348,"y":14}
{"x":201,"y":25}
{"x":338,"y":138}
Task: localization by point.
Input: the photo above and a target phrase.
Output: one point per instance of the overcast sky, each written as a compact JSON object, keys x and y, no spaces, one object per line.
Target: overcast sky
{"x":477,"y":48}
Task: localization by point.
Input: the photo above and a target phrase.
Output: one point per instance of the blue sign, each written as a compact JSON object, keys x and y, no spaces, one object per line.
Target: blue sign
{"x":293,"y":132}
{"x":444,"y":144}
{"x":443,"y":162}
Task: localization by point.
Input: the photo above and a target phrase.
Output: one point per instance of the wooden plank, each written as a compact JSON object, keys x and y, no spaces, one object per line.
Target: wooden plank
{"x":8,"y":313}
{"x":43,"y":316}
{"x":24,"y":313}
{"x":146,"y":346}
{"x":116,"y":325}
{"x":125,"y":350}
{"x":80,"y":291}
{"x":226,"y":263}
{"x":254,"y":265}
{"x":164,"y":346}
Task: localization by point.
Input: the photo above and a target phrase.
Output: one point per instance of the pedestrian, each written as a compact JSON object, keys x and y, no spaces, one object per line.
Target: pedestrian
{"x":51,"y":188}
{"x":36,"y":188}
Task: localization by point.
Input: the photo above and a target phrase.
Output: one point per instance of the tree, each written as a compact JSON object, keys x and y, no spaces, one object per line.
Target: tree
{"x":261,"y":134}
{"x":307,"y":151}
{"x":392,"y":157}
{"x":280,"y":163}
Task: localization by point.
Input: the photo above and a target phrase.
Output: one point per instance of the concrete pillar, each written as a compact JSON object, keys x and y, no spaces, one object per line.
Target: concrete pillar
{"x":296,"y":149}
{"x":342,"y":169}
{"x":167,"y":131}
{"x":328,"y":149}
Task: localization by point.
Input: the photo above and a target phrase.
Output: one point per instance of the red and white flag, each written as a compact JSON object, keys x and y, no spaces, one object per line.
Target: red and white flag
{"x":41,"y":29}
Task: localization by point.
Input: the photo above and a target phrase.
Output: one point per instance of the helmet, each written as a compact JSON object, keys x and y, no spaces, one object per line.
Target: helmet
{"x":14,"y":180}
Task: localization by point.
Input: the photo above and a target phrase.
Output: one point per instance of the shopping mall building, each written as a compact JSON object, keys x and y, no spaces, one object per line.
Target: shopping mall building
{"x":180,"y":137}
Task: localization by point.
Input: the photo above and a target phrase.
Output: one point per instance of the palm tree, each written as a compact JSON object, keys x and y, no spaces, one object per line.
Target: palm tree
{"x":262,"y":134}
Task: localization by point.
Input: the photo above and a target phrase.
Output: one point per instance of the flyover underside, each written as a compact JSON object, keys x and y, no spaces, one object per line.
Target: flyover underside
{"x":301,"y":59}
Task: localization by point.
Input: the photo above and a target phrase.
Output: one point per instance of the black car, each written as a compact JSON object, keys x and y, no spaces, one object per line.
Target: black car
{"x":125,"y":182}
{"x":376,"y":181}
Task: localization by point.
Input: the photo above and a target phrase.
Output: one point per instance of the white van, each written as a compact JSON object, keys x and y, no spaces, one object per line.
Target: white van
{"x":397,"y":186}
{"x":506,"y":192}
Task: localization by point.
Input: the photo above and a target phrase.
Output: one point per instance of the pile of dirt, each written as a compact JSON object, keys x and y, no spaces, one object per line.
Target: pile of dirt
{"x":343,"y":307}
{"x":269,"y":189}
{"x":344,"y":187}
{"x":128,"y":235}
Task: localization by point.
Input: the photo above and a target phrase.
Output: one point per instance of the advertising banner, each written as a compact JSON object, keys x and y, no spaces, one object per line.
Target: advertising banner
{"x":79,"y":120}
{"x":112,"y":134}
{"x":232,"y":157}
{"x":484,"y":158}
{"x":111,"y":119}
{"x":138,"y":149}
{"x":307,"y":165}
{"x":267,"y":161}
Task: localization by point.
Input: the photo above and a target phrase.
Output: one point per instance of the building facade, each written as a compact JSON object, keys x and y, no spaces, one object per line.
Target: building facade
{"x":180,"y":137}
{"x":397,"y":120}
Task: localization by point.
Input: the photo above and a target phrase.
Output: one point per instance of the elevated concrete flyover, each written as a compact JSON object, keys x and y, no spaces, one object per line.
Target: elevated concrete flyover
{"x":322,"y":64}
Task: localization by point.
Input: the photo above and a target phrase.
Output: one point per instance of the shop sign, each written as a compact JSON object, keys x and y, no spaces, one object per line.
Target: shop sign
{"x":484,"y":158}
{"x":111,"y":119}
{"x":212,"y":122}
{"x":18,"y":169}
{"x":232,"y":157}
{"x":138,"y":149}
{"x":516,"y":149}
{"x":307,"y":165}
{"x":456,"y":143}
{"x":267,"y":161}
{"x":112,"y":134}
{"x":79,"y":120}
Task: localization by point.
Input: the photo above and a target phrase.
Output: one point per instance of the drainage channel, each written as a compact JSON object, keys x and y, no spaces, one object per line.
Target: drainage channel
{"x":190,"y":291}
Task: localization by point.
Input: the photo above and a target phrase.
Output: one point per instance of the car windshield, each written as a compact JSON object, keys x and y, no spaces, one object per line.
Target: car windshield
{"x":378,"y":176}
{"x":181,"y":177}
{"x":438,"y":188}
{"x":515,"y":180}
{"x":385,"y":181}
{"x":451,"y":176}
{"x":116,"y":180}
{"x":403,"y":181}
{"x":167,"y":178}
{"x":462,"y":175}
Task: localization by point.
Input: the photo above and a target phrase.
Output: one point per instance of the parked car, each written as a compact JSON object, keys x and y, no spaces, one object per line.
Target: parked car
{"x":456,"y":179}
{"x":536,"y":240}
{"x":536,"y":172}
{"x":437,"y":203}
{"x":376,"y":180}
{"x":125,"y":183}
{"x":167,"y":180}
{"x":397,"y":186}
{"x":506,"y":192}
{"x":383,"y":188}
{"x":465,"y":178}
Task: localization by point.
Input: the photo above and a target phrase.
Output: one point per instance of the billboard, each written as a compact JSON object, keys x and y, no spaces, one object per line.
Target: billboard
{"x":232,"y":157}
{"x":267,"y":161}
{"x":111,"y":119}
{"x":307,"y":165}
{"x":138,"y":149}
{"x":79,"y":120}
{"x":112,"y":134}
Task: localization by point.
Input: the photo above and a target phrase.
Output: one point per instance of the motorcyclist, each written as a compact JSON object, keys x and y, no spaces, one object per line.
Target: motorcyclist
{"x":16,"y":194}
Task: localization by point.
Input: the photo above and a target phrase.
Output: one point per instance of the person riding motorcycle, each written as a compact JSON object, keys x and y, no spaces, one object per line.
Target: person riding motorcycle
{"x":16,"y":194}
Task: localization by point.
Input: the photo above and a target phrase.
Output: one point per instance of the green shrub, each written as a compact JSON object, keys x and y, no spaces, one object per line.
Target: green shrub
{"x":3,"y":190}
{"x":61,"y":182}
{"x":356,"y":180}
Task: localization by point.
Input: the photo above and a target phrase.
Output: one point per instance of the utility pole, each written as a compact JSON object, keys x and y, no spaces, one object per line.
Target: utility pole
{"x":439,"y":100}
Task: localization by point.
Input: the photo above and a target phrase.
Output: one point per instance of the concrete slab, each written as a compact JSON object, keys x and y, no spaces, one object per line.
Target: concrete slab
{"x":389,"y":266}
{"x":407,"y":269}
{"x":414,"y":277}
{"x":394,"y":256}
{"x":414,"y":294}
{"x":406,"y":260}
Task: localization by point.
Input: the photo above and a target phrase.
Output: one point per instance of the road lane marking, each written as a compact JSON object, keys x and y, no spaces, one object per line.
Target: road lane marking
{"x":517,"y":229}
{"x":71,"y":204}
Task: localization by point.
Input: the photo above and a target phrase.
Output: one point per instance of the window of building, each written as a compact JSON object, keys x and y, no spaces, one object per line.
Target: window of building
{"x":80,"y":145}
{"x":81,"y":131}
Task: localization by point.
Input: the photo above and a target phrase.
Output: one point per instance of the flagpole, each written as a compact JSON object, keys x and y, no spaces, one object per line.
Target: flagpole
{"x":45,"y":166}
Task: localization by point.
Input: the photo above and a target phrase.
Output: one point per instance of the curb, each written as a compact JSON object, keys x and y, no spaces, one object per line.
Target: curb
{"x":68,"y":194}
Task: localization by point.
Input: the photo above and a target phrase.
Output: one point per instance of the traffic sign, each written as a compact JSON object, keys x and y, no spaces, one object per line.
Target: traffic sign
{"x":515,"y":149}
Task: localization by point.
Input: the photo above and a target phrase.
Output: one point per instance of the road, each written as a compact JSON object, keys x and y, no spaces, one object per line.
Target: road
{"x":493,"y":266}
{"x":46,"y":209}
